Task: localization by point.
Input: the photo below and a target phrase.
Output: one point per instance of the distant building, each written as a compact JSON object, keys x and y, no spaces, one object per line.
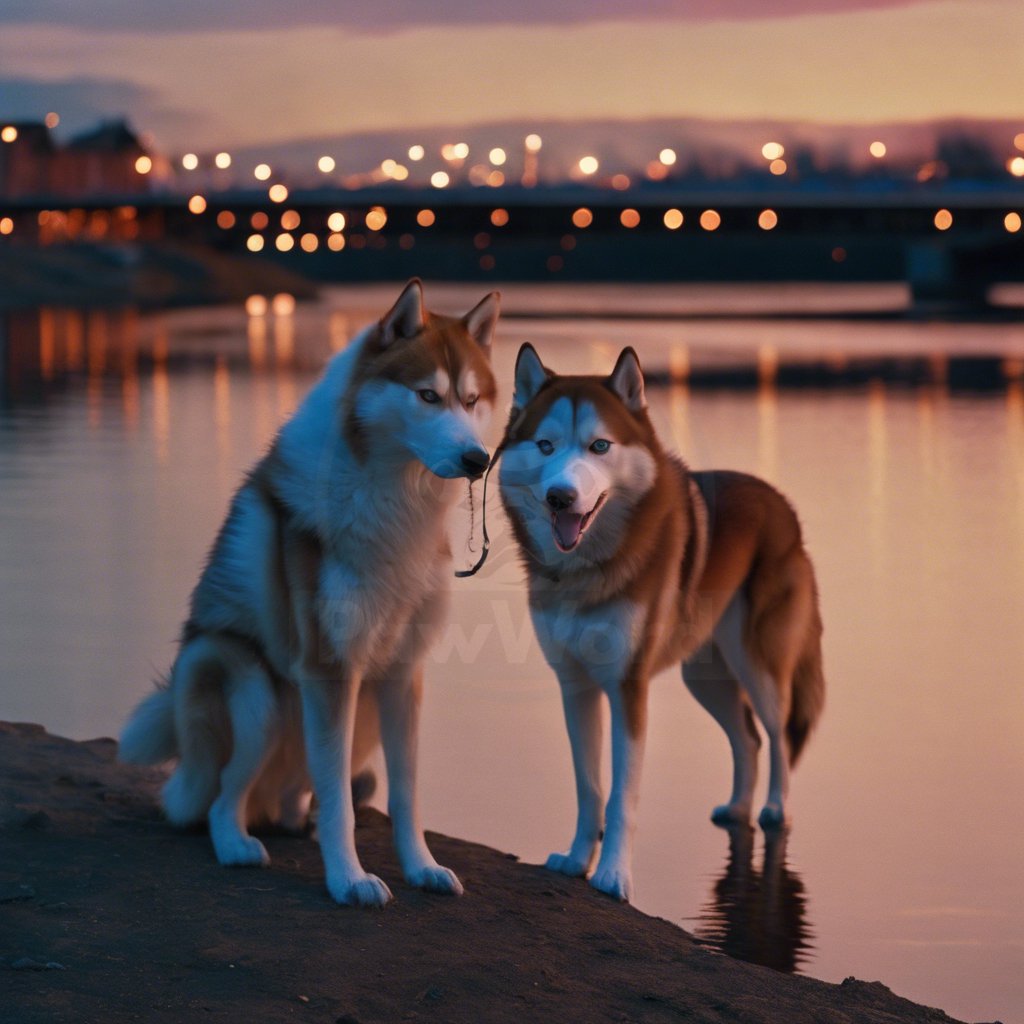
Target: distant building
{"x":109,"y":160}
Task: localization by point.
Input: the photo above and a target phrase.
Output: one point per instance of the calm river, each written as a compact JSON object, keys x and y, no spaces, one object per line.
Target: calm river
{"x":122,"y":439}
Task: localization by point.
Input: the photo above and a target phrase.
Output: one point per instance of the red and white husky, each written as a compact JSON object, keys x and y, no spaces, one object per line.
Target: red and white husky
{"x":635,"y":564}
{"x":328,"y":581}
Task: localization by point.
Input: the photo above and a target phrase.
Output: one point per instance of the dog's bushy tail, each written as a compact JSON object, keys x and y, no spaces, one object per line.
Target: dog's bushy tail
{"x":149,"y":736}
{"x":808,"y":693}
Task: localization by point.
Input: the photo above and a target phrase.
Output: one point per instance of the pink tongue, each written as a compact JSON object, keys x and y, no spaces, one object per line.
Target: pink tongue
{"x":567,"y":526}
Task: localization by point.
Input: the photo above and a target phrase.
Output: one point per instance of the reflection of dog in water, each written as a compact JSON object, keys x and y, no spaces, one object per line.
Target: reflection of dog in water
{"x":758,"y":916}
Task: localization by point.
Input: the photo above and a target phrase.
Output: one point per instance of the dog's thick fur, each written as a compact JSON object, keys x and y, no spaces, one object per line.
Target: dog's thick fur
{"x":634,"y":563}
{"x":327,"y":583}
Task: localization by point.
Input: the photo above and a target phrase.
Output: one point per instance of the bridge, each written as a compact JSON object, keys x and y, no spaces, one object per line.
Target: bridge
{"x":949,"y":243}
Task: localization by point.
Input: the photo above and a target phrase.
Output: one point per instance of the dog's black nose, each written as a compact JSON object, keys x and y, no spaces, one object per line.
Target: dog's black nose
{"x":560,"y":498}
{"x":475,"y":461}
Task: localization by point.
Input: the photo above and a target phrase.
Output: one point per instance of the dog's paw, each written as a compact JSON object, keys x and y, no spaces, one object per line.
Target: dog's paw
{"x":731,"y":814}
{"x":773,"y":815}
{"x":434,"y":878}
{"x":364,"y":891}
{"x":567,"y":864}
{"x":240,"y":851}
{"x":615,"y":881}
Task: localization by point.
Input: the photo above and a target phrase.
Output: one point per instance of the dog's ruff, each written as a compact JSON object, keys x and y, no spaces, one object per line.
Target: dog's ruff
{"x":324,"y":589}
{"x":634,"y":564}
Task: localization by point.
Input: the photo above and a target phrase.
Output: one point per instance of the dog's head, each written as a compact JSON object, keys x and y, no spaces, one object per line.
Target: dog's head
{"x":425,"y":387}
{"x":580,"y":454}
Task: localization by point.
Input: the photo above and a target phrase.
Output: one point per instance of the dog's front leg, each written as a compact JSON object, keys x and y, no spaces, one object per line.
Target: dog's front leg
{"x":399,"y":698}
{"x":581,"y":700}
{"x":328,"y":719}
{"x":614,"y":874}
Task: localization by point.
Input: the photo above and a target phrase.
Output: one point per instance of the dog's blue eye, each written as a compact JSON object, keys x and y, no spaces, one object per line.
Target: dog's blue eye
{"x":600,"y":446}
{"x":428,"y":396}
{"x":546,"y":447}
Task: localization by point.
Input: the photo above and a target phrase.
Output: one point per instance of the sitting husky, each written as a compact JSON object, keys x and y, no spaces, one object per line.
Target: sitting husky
{"x":634,"y":564}
{"x":323,"y":591}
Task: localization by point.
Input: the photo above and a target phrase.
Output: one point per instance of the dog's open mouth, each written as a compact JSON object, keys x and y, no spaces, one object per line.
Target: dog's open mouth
{"x":568,"y":527}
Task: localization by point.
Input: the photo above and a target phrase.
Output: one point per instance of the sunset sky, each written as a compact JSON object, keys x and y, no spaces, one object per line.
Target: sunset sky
{"x":203,"y":73}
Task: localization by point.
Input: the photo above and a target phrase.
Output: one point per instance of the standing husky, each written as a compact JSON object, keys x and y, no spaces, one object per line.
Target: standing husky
{"x":323,"y":591}
{"x":634,"y":564}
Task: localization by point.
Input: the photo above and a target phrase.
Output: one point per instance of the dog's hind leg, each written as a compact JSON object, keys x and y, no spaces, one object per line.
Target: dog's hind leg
{"x":202,"y":730}
{"x":251,"y":706}
{"x":769,"y":698}
{"x":709,"y":679}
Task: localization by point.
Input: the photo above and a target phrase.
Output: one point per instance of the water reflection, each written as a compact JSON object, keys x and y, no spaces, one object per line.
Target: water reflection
{"x":758,"y":914}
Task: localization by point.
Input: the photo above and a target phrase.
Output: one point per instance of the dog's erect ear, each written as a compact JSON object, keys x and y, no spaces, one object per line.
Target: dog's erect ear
{"x":627,"y":381}
{"x":406,"y":317}
{"x":530,"y":376}
{"x":480,"y":321}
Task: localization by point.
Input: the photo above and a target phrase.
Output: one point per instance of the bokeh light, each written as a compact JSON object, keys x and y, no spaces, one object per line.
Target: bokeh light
{"x":1016,"y":166}
{"x":495,"y":179}
{"x":620,"y":182}
{"x":222,"y":160}
{"x":1018,"y":140}
{"x":629,"y":218}
{"x":400,"y":173}
{"x":225,"y":219}
{"x":461,"y":150}
{"x":259,"y":220}
{"x":309,"y":242}
{"x":9,"y":133}
{"x":710,"y":220}
{"x":336,"y":222}
{"x":582,"y":218}
{"x":277,"y":193}
{"x":290,"y":220}
{"x":767,"y":220}
{"x":877,"y":150}
{"x":262,"y":171}
{"x":777,"y":167}
{"x":497,"y":156}
{"x":335,"y":242}
{"x":1012,"y":222}
{"x":52,"y":119}
{"x":656,"y":170}
{"x":667,"y":157}
{"x":388,"y":166}
{"x":772,"y":150}
{"x":376,"y":218}
{"x":589,"y":164}
{"x":283,"y":304}
{"x":284,"y":241}
{"x":673,"y":219}
{"x":326,"y":164}
{"x":499,"y":218}
{"x":190,"y":161}
{"x":533,"y":143}
{"x":197,"y":204}
{"x":425,"y":218}
{"x":439,"y":179}
{"x":256,"y":305}
{"x":143,"y":165}
{"x":943,"y":220}
{"x":254,"y":243}
{"x":6,"y":225}
{"x":416,"y":153}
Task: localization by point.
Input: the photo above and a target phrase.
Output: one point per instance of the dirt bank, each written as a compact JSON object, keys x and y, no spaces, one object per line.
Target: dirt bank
{"x":121,"y":918}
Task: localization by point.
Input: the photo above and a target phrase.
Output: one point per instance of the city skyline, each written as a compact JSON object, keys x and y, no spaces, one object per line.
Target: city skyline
{"x":220,"y":85}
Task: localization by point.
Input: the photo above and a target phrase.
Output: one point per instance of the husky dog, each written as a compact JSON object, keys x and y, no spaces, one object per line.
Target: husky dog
{"x":324,"y":589}
{"x":634,"y":564}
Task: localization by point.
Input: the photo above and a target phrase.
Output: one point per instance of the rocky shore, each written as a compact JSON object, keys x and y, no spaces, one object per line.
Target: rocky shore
{"x":108,"y":914}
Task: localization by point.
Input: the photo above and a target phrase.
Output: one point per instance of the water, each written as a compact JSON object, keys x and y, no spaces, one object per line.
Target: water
{"x":122,"y":438}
